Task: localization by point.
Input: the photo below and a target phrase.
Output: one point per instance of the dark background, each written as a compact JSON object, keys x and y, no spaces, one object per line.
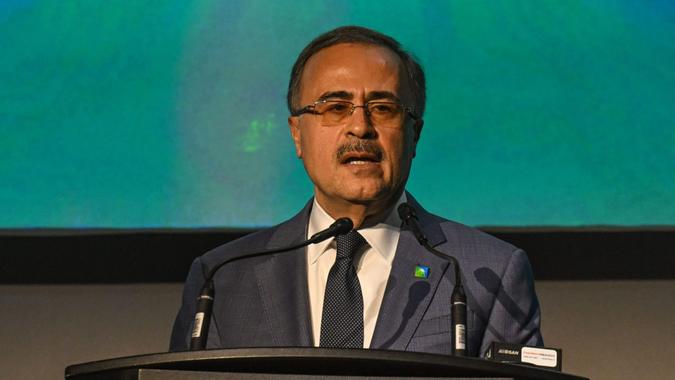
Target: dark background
{"x":133,"y":256}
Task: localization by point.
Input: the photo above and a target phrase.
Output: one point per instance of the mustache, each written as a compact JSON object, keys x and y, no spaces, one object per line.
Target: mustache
{"x":360,"y":146}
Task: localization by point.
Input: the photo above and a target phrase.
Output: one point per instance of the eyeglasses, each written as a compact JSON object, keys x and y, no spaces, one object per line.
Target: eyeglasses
{"x":336,"y":112}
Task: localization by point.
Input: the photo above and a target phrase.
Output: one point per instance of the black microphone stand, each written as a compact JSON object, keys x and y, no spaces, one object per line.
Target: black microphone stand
{"x":458,"y":298}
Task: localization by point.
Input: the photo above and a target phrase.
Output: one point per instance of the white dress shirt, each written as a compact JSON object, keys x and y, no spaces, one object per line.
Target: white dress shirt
{"x":372,"y":266}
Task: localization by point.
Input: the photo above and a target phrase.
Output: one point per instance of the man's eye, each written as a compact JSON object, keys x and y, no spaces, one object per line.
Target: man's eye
{"x":336,"y":107}
{"x":383,"y":108}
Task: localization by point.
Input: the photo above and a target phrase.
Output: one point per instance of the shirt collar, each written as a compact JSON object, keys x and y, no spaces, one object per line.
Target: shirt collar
{"x":382,"y":237}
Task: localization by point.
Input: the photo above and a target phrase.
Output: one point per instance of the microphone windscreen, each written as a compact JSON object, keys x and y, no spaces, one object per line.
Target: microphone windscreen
{"x":406,"y":212}
{"x":342,"y":226}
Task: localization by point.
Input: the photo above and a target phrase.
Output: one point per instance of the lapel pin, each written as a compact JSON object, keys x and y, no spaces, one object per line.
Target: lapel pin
{"x":421,"y":271}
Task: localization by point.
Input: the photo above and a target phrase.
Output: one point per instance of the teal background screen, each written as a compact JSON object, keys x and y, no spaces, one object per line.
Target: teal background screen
{"x":135,"y":114}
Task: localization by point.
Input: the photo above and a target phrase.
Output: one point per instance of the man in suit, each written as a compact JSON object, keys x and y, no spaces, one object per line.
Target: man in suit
{"x":356,"y":101}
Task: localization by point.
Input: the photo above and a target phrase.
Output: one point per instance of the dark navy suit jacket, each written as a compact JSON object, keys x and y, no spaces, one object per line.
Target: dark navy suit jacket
{"x":264,"y":302}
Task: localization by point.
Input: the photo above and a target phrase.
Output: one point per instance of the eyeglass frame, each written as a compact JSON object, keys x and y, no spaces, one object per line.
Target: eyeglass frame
{"x":310,"y":108}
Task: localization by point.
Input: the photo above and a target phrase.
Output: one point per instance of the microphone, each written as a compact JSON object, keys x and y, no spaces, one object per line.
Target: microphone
{"x":339,"y":227}
{"x":200,"y":330}
{"x":458,"y":298}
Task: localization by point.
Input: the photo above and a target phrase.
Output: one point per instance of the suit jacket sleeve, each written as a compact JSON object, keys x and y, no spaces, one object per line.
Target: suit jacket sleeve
{"x":186,"y":314}
{"x":515,"y":315}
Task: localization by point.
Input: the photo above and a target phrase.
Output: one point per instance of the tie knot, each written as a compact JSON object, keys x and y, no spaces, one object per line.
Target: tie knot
{"x":349,"y":244}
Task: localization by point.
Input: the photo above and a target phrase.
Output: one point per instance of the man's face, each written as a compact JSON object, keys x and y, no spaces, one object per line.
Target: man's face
{"x":355,"y":162}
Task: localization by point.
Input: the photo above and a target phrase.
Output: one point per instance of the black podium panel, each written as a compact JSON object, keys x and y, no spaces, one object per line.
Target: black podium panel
{"x":303,"y":363}
{"x":161,"y":374}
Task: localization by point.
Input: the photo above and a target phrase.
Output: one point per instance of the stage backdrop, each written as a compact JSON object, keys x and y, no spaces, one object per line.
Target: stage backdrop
{"x":133,"y":114}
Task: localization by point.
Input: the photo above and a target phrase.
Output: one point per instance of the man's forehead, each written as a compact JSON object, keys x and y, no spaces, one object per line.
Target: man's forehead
{"x":344,"y":65}
{"x":345,"y":55}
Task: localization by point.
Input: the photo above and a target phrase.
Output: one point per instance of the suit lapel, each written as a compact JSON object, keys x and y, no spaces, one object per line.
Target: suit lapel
{"x":406,"y":297}
{"x":282,"y":281}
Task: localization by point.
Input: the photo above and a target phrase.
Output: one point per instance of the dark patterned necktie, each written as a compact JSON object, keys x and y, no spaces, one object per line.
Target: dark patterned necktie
{"x":342,"y":318}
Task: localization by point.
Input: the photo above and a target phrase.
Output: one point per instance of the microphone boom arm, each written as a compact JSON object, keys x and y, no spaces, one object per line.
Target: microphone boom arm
{"x":200,"y":330}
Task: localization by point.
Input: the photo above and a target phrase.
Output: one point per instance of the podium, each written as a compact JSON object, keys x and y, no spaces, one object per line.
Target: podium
{"x":304,"y":364}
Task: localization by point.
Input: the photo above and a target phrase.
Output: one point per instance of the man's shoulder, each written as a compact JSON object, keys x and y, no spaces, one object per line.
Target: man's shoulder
{"x":470,"y":243}
{"x":455,"y":234}
{"x":286,"y":233}
{"x":472,"y":235}
{"x":251,"y":242}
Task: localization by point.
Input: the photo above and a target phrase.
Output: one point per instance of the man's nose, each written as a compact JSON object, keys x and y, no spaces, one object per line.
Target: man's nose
{"x":360,"y":124}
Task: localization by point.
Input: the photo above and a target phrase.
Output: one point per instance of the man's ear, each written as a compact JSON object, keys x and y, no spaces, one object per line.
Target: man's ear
{"x":294,"y":127}
{"x":417,"y":130}
{"x":417,"y":127}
